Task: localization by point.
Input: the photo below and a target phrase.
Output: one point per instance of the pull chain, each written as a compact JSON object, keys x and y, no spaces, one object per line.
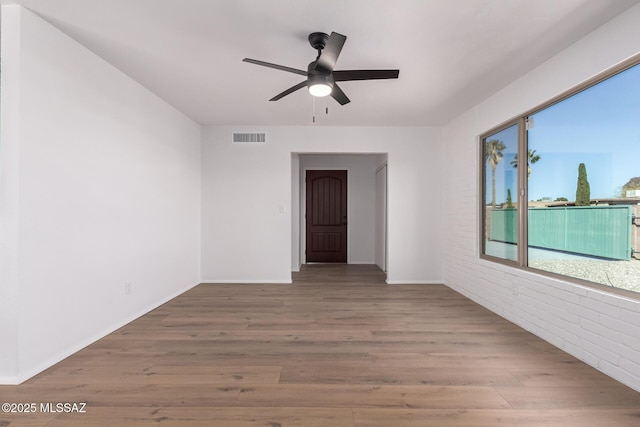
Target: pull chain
{"x":326,"y":110}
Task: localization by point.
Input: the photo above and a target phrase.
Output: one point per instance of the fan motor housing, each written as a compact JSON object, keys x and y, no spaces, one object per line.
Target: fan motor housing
{"x":318,"y":76}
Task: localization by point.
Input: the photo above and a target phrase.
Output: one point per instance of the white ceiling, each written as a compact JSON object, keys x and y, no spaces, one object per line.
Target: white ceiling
{"x":451,"y":53}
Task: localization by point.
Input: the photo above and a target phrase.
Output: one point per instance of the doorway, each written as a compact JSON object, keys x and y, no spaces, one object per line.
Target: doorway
{"x":366,"y":205}
{"x":326,"y":216}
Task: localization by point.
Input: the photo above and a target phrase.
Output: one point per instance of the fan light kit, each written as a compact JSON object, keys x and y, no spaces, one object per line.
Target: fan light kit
{"x":321,"y":76}
{"x":319,"y":85}
{"x":320,"y":89}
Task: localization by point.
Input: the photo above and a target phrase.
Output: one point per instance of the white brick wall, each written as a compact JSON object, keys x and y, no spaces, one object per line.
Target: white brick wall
{"x":597,"y":327}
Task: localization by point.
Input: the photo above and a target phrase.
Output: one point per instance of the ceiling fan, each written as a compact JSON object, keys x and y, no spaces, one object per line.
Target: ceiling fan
{"x":320,"y":76}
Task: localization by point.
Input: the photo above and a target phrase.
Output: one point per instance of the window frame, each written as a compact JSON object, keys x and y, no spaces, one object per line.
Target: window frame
{"x":482,"y":191}
{"x":520,"y":120}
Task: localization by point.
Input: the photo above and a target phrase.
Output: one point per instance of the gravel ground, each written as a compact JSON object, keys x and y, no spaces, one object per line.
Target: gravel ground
{"x":620,"y":274}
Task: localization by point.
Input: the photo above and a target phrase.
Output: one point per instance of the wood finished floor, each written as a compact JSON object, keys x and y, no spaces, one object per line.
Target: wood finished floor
{"x":337,"y":348}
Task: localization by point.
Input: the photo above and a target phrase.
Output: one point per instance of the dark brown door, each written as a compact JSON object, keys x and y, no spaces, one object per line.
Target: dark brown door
{"x":326,"y":217}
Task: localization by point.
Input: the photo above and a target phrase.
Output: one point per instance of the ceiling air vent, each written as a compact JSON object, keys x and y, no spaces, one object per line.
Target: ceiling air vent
{"x":249,"y":138}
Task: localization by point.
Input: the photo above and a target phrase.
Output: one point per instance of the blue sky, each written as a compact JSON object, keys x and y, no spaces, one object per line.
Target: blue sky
{"x":599,"y":127}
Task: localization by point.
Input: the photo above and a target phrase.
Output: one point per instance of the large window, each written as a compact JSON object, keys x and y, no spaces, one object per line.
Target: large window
{"x":561,"y":185}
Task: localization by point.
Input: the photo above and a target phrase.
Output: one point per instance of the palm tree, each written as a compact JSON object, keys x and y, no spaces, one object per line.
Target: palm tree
{"x":532,"y":157}
{"x":493,"y":154}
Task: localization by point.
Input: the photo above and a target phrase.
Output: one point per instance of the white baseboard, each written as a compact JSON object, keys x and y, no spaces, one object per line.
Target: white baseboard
{"x":414,"y":282}
{"x":23,"y":376}
{"x":248,"y":282}
{"x":9,"y":380}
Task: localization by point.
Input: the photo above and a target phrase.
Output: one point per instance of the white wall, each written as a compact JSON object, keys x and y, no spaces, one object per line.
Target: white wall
{"x":100,"y":187}
{"x":247,"y":239}
{"x":600,"y":328}
{"x":9,"y":198}
{"x":361,"y":170}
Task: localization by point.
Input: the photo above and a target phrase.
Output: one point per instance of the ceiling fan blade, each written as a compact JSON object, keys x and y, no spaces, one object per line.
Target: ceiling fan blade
{"x":331,"y":51}
{"x":345,"y":75}
{"x":339,"y":95}
{"x":276,"y":66}
{"x":290,"y":90}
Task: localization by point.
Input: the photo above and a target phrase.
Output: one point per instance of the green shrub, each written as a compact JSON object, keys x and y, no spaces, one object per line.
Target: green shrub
{"x":583,"y":191}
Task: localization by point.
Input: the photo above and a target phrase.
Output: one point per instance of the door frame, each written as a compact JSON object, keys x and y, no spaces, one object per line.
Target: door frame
{"x":303,"y":207}
{"x":298,"y":197}
{"x":384,"y":171}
